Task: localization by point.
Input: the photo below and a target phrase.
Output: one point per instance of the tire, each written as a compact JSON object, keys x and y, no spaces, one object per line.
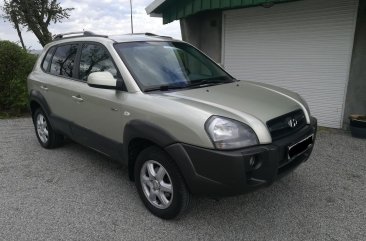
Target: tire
{"x":165,"y":202}
{"x":46,"y":135}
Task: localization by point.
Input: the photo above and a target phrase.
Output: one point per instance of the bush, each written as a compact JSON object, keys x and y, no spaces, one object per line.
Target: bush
{"x":15,"y":65}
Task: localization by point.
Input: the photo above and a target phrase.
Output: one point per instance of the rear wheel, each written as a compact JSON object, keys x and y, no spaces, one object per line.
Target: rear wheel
{"x":160,"y":184}
{"x":46,"y":135}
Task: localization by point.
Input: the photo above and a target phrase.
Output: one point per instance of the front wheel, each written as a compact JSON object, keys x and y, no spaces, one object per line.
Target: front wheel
{"x":160,"y":184}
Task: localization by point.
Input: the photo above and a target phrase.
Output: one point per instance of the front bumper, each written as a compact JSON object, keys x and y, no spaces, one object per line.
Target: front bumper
{"x":225,"y":173}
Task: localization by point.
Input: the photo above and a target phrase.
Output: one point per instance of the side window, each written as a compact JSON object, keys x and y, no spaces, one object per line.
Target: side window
{"x":47,"y":59}
{"x":95,"y":58}
{"x":63,"y":60}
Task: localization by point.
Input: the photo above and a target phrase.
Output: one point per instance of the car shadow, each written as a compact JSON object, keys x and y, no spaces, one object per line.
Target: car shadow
{"x":263,"y":202}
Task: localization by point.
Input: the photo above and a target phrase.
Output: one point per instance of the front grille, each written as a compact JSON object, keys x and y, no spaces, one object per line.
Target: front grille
{"x":286,"y":124}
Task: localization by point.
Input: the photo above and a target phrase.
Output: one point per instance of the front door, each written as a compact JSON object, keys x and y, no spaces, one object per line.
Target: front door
{"x":99,"y":117}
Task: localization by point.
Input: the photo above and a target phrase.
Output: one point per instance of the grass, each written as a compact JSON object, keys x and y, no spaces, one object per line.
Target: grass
{"x":10,"y":115}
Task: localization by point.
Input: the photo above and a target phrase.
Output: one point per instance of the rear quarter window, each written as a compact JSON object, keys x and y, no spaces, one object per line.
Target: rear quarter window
{"x":63,"y":60}
{"x":47,"y":59}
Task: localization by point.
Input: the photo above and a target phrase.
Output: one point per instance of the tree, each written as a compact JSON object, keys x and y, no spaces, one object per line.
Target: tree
{"x":12,"y":17}
{"x":36,"y":16}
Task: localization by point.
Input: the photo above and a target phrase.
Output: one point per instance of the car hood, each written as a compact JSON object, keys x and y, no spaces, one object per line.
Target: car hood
{"x":260,"y":101}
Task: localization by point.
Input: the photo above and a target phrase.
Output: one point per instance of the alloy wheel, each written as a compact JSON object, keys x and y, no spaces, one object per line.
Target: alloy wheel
{"x":42,"y":128}
{"x":156,"y":184}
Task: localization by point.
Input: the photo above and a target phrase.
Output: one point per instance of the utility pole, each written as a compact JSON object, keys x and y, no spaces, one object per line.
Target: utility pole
{"x":131,"y":16}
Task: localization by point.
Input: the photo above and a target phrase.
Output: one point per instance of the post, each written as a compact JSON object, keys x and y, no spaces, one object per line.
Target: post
{"x":131,"y":16}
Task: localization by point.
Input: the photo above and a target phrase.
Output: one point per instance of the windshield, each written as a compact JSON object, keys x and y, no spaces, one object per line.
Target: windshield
{"x":168,"y":65}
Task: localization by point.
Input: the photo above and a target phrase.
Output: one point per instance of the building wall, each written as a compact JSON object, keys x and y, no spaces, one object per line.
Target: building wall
{"x":356,"y":91}
{"x":204,"y":32}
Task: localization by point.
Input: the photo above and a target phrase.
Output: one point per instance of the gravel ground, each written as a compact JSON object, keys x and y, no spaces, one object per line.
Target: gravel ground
{"x":73,"y":193}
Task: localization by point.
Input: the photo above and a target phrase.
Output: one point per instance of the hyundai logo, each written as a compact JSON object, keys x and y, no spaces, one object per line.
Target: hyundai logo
{"x":292,"y":123}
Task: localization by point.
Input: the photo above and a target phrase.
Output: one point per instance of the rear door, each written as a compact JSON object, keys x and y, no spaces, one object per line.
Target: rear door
{"x":59,"y":80}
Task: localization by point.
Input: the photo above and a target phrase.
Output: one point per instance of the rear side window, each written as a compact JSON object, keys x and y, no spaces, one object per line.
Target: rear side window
{"x":63,"y":60}
{"x":47,"y":59}
{"x":95,"y":58}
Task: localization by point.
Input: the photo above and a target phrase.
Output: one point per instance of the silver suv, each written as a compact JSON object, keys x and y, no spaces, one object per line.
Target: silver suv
{"x":182,"y":124}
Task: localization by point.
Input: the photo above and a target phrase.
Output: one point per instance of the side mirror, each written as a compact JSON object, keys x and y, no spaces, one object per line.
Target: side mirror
{"x":102,"y":80}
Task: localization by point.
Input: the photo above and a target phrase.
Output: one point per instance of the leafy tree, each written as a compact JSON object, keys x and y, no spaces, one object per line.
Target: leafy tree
{"x":36,"y":16}
{"x":11,"y":16}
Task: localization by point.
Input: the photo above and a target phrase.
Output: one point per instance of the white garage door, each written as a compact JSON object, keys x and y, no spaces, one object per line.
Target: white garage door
{"x":304,"y":46}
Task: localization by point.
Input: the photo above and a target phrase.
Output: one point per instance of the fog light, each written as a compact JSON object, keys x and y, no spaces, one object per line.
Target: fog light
{"x":254,"y":163}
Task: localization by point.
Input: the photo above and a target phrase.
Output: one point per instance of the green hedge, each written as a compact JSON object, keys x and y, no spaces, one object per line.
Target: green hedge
{"x":15,"y":66}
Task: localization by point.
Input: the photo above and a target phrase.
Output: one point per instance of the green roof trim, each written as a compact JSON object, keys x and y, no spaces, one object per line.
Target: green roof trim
{"x":172,"y":10}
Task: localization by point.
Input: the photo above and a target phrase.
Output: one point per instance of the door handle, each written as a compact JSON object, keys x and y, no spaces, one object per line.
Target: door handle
{"x":44,"y":87}
{"x":78,"y":98}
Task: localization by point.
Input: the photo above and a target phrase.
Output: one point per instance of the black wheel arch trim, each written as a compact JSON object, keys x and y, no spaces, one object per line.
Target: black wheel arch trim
{"x":149,"y":131}
{"x":36,"y":96}
{"x":138,"y":129}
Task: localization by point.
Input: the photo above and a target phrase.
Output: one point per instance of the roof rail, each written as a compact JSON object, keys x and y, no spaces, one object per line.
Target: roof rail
{"x":152,"y":35}
{"x":77,"y":34}
{"x":155,"y":35}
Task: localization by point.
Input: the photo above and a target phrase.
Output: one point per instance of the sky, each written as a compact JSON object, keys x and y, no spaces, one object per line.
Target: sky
{"x":107,"y":17}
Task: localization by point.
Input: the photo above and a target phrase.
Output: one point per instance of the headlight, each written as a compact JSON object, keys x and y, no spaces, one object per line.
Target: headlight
{"x":226,"y":133}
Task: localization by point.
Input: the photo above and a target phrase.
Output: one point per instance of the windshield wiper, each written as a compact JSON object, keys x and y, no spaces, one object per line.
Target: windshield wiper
{"x":165,"y":88}
{"x":196,"y":83}
{"x":210,"y":81}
